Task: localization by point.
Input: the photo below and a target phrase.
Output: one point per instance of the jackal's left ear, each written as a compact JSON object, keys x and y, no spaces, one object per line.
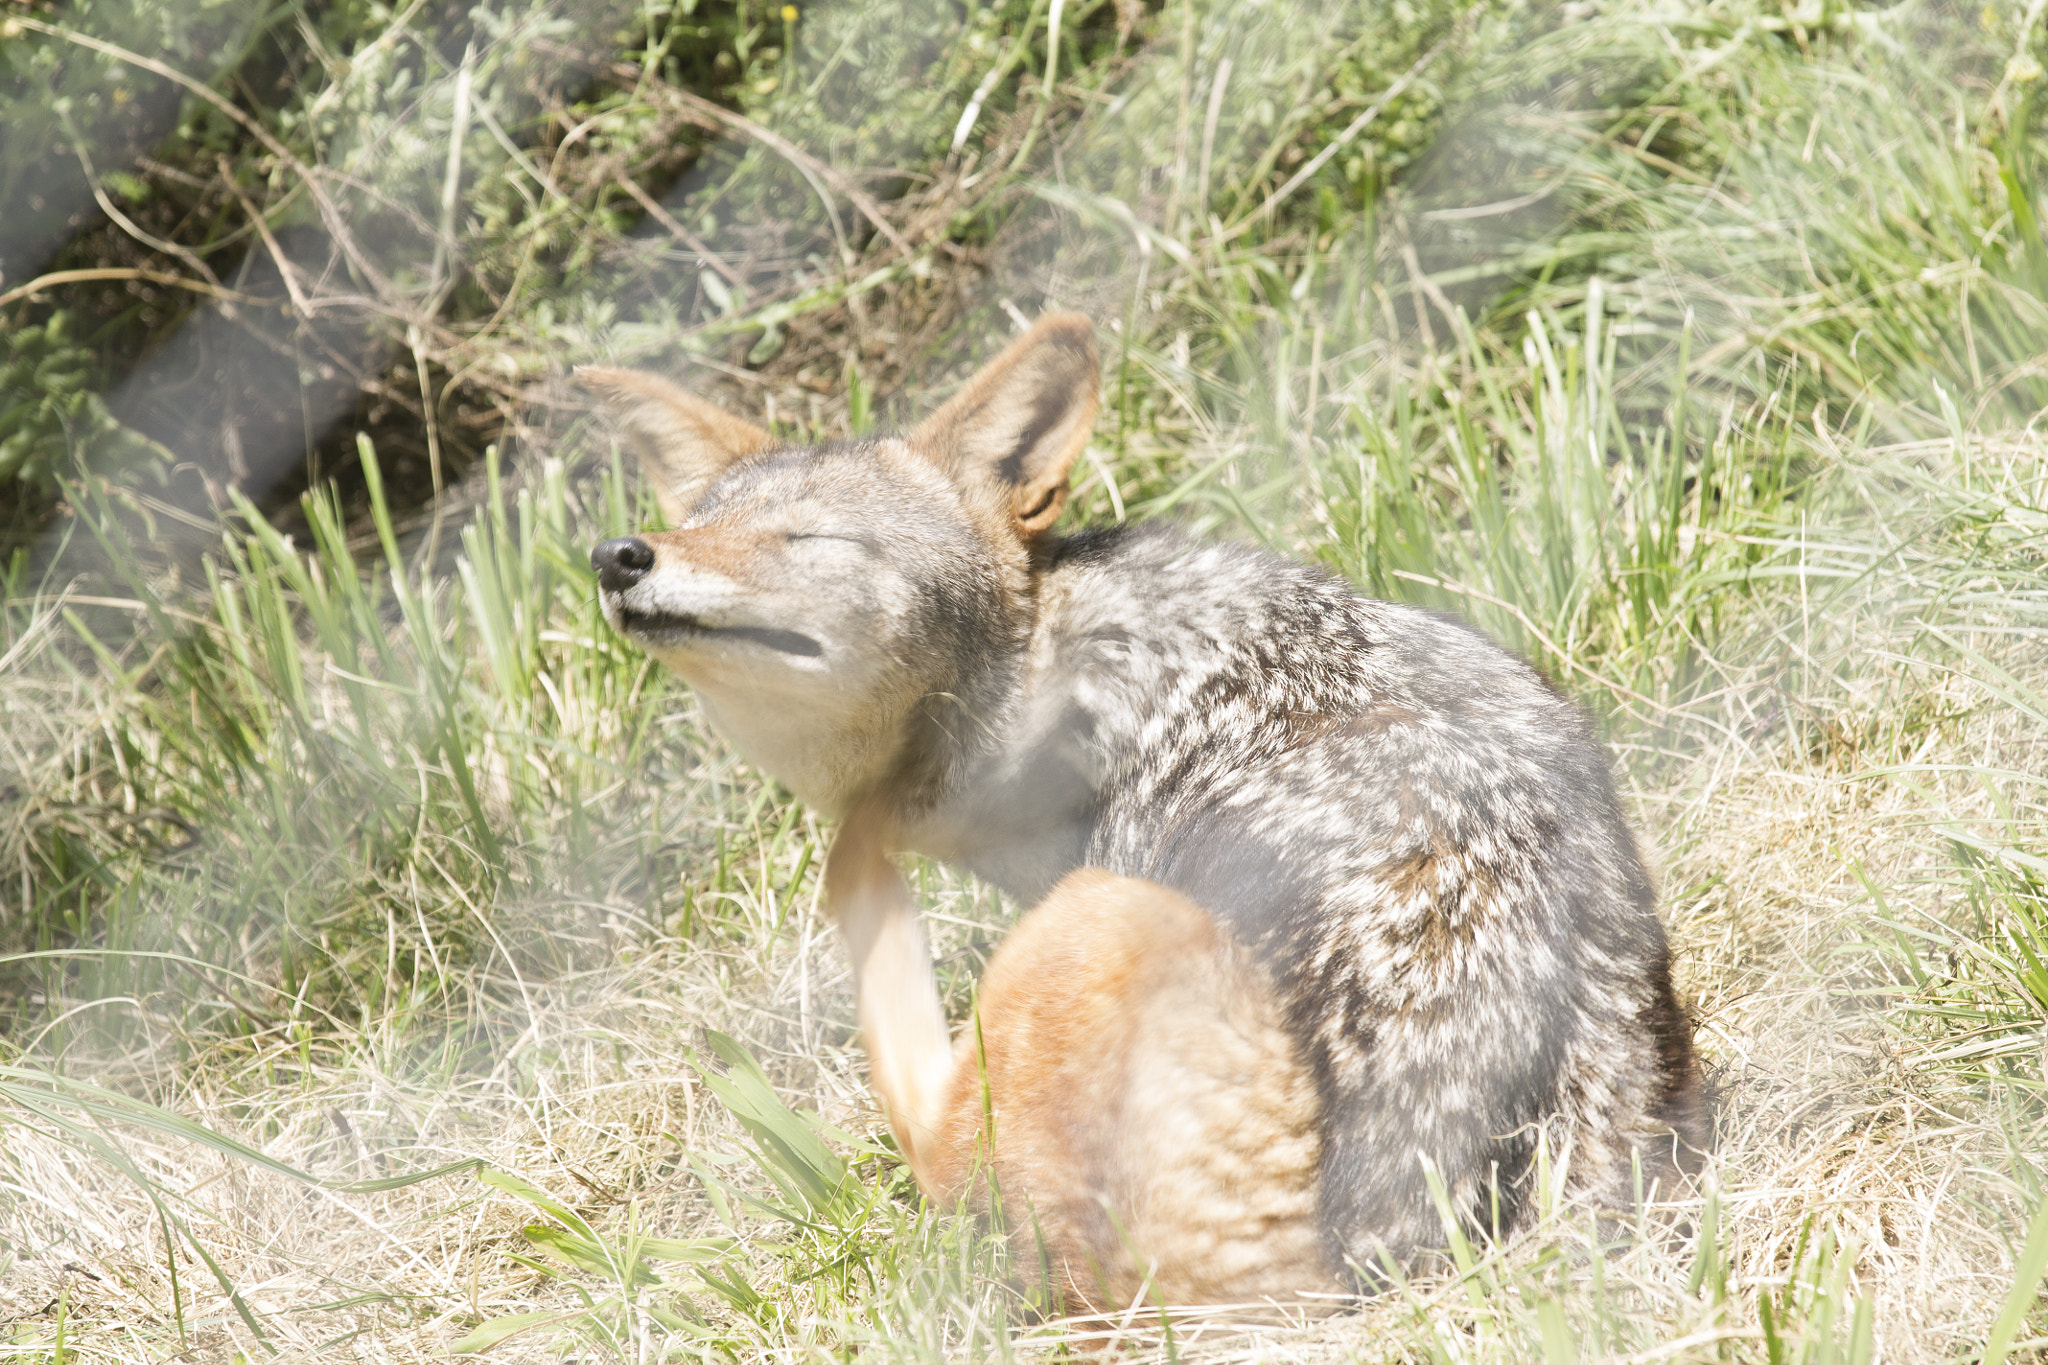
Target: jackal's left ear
{"x":683,"y":442}
{"x":1022,"y":420}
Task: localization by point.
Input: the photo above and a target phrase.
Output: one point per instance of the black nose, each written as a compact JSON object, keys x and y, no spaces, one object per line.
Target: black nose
{"x":622,"y":562}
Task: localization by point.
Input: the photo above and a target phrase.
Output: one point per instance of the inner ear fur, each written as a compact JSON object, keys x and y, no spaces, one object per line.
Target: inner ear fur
{"x":1022,"y":420}
{"x":683,"y":442}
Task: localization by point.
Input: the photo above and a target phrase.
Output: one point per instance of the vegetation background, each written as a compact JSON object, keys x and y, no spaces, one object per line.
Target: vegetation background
{"x":392,"y":965}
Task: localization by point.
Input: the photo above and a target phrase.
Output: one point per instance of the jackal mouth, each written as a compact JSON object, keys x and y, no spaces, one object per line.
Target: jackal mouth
{"x":675,"y":628}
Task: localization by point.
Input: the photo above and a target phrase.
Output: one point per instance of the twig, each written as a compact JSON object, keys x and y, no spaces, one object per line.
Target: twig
{"x":57,"y":277}
{"x":128,"y":604}
{"x":451,"y":181}
{"x":441,"y":282}
{"x":2013,"y":64}
{"x":330,"y":214}
{"x":285,"y":270}
{"x":1045,"y":86}
{"x":996,"y":73}
{"x":1343,"y":139}
{"x":122,"y":220}
{"x":1424,"y":292}
{"x":708,"y":114}
{"x":1216,"y":88}
{"x":676,"y":229}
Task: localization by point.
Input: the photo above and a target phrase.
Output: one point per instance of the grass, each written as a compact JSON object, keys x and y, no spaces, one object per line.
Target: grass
{"x":396,"y":967}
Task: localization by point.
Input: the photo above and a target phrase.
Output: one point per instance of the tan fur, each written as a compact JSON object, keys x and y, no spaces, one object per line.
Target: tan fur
{"x":1125,"y":1103}
{"x":733,"y":552}
{"x":1025,"y":417}
{"x":683,"y":441}
{"x":1133,"y":1109}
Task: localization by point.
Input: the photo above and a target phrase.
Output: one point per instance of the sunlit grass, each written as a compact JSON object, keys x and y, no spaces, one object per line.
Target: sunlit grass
{"x":374,"y":851}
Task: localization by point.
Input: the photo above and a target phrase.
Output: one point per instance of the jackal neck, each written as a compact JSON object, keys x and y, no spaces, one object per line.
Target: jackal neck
{"x":966,"y":715}
{"x":999,"y":771}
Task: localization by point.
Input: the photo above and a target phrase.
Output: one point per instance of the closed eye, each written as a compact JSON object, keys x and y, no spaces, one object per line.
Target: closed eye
{"x":867,"y":543}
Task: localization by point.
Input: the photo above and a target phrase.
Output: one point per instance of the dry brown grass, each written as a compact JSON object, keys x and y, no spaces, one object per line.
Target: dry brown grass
{"x":1812,"y":785}
{"x":1874,"y":693}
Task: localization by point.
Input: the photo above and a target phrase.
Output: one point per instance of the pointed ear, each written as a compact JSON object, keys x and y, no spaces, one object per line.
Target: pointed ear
{"x":1022,"y":420}
{"x":683,"y":442}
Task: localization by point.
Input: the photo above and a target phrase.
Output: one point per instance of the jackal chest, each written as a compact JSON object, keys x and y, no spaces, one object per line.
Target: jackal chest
{"x":821,"y":755}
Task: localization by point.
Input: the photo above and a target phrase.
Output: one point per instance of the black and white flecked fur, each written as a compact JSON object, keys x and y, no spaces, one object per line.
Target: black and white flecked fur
{"x":1416,"y":833}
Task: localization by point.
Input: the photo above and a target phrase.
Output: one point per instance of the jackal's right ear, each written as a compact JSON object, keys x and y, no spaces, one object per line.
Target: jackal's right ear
{"x":683,"y":442}
{"x":1022,"y":420}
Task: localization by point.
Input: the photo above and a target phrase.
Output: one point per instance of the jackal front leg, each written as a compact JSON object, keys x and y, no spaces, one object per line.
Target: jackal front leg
{"x":896,"y":997}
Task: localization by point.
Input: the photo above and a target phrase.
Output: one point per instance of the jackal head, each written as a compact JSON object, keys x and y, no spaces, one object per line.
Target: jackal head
{"x":838,"y":606}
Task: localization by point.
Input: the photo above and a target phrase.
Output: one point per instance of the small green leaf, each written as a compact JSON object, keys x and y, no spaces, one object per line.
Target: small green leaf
{"x":696,"y":1251}
{"x":590,"y":1255}
{"x":790,"y":1150}
{"x":539,"y":1198}
{"x":732,"y":1286}
{"x":1558,"y":1347}
{"x":133,"y":188}
{"x":2026,"y":1283}
{"x":489,"y":1334}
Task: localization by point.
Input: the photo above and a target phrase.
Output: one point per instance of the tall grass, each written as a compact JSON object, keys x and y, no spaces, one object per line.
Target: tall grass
{"x":376,"y":851}
{"x":330,"y":724}
{"x":349,"y":683}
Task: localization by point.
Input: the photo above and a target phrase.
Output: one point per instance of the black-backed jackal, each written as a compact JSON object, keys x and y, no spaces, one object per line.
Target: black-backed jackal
{"x":1332,"y":890}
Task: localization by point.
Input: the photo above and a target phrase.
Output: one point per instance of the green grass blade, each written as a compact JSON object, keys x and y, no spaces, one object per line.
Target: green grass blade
{"x":2026,"y":1286}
